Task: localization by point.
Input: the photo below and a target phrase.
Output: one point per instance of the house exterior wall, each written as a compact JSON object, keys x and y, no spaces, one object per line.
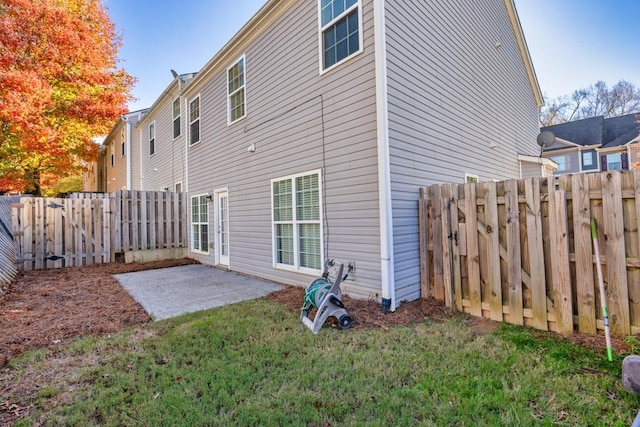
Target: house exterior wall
{"x":166,"y":167}
{"x":571,"y":161}
{"x":532,"y":170}
{"x":458,"y":103}
{"x":133,"y":145}
{"x":117,"y":170}
{"x":299,"y":120}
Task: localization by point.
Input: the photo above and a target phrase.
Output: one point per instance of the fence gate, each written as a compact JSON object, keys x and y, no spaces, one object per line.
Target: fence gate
{"x":520,"y":251}
{"x":56,"y":233}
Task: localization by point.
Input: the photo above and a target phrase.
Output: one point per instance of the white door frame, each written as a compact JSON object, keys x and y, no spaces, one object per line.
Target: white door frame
{"x":222,"y":227}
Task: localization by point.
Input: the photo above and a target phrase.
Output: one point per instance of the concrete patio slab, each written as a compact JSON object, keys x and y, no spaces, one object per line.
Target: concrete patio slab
{"x":170,"y":292}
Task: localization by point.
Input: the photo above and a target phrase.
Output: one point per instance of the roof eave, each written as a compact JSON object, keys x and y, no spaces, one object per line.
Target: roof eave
{"x":524,"y":51}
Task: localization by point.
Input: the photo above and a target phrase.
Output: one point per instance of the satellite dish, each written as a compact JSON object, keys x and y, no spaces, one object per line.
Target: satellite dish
{"x":546,"y":139}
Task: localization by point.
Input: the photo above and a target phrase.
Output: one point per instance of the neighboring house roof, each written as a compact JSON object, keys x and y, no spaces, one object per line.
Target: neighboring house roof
{"x":580,"y":132}
{"x":607,"y":133}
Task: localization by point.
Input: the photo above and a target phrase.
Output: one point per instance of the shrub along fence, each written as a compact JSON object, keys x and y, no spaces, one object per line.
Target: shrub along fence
{"x":521,"y":251}
{"x":132,"y":225}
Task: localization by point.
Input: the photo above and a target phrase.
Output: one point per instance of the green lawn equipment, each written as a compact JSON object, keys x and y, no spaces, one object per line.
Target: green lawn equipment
{"x":326,"y":296}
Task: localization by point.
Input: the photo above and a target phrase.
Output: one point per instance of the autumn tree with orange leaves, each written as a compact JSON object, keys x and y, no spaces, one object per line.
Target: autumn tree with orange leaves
{"x":60,"y":86}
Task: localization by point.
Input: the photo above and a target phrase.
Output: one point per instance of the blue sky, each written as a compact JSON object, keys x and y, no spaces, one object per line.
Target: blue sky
{"x":573,"y":43}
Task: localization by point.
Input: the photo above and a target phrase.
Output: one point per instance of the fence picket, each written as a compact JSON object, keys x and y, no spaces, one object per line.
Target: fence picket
{"x":493,"y":280}
{"x":583,"y":249}
{"x":514,"y":275}
{"x":616,"y":276}
{"x":473,"y":256}
{"x":560,"y":272}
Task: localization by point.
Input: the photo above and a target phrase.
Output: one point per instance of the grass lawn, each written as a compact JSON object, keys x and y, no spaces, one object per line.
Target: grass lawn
{"x":254,"y":364}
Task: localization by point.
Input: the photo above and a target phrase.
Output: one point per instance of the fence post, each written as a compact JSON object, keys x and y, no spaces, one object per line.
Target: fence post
{"x":514,"y":265}
{"x":423,"y":230}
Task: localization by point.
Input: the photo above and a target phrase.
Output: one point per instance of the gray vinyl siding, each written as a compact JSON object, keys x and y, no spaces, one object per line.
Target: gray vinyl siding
{"x":456,"y":104}
{"x":531,"y":170}
{"x":133,"y":139}
{"x":292,"y":133}
{"x":116,"y":174}
{"x":167,"y":165}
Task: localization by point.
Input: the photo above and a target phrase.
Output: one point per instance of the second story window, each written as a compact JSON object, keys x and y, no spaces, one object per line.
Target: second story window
{"x":113,"y":156}
{"x":236,"y":91}
{"x":123,"y":139}
{"x":176,"y":118}
{"x":339,"y":30}
{"x":152,"y":138}
{"x":194,"y":121}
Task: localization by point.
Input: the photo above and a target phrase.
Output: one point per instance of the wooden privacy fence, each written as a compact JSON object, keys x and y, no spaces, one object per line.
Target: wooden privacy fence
{"x":8,"y":270}
{"x":57,"y":233}
{"x":521,"y":251}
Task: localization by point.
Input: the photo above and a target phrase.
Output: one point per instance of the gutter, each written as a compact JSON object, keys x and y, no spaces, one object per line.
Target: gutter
{"x":384,"y":166}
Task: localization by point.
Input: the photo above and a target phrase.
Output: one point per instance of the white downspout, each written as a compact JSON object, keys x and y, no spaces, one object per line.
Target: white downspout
{"x":384,"y":165}
{"x":127,"y":144}
{"x":187,"y":129}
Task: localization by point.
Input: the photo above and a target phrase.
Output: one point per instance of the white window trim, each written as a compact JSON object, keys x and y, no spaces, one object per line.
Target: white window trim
{"x":296,"y":267}
{"x":320,"y":32}
{"x":173,"y":119}
{"x":192,"y":121}
{"x":217,"y":222}
{"x":191,"y":249}
{"x":244,"y":86}
{"x":123,"y":141}
{"x":470,"y":175}
{"x":152,"y":124}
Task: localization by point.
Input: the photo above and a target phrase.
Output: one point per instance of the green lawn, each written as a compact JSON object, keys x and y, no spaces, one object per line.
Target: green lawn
{"x":254,"y":364}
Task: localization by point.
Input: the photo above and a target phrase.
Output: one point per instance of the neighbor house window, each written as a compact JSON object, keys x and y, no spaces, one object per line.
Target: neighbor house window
{"x":296,"y":221}
{"x":113,"y":156}
{"x":176,"y":118}
{"x":562,"y":163}
{"x":340,"y":30}
{"x":152,"y":138}
{"x":469,"y":178}
{"x":123,"y":139}
{"x":236,"y":91}
{"x":587,"y":158}
{"x":178,"y":187}
{"x":194,"y":121}
{"x":199,"y":223}
{"x":614,"y":161}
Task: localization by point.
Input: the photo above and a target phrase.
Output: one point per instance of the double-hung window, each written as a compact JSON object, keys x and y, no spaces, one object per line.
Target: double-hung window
{"x":194,"y":121}
{"x":152,"y":138}
{"x":176,"y":118}
{"x":297,"y":231}
{"x":123,"y":140}
{"x":236,"y":91}
{"x":199,"y":223}
{"x":614,"y":161}
{"x":340,"y":30}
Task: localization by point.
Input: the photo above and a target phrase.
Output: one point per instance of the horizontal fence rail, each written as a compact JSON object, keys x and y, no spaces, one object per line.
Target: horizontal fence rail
{"x":521,"y":251}
{"x":57,"y":233}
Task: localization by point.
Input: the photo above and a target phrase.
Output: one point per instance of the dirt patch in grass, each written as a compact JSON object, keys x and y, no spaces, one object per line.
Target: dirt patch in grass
{"x":46,"y":308}
{"x":368,"y":313}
